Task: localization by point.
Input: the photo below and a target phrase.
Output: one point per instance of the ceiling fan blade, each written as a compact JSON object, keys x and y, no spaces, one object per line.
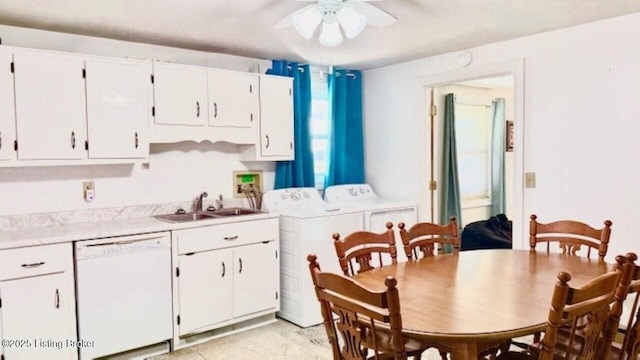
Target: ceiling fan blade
{"x":376,"y":17}
{"x":288,"y":21}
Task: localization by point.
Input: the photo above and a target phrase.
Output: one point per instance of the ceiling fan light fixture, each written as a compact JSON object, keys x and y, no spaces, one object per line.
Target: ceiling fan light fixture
{"x":330,"y":34}
{"x":351,"y":21}
{"x":307,"y":21}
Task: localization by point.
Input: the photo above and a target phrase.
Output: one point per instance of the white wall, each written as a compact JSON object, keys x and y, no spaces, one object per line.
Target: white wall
{"x":176,"y":172}
{"x":581,"y":124}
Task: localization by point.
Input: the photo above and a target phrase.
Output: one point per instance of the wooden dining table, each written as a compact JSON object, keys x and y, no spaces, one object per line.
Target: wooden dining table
{"x":463,"y":302}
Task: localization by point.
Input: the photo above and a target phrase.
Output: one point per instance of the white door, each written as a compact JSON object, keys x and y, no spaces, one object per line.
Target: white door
{"x":233,"y":99}
{"x":276,"y":116}
{"x":50,"y":106}
{"x":37,"y":309}
{"x":119,"y":101}
{"x":255,"y":282}
{"x":180,"y":94}
{"x":7,"y":110}
{"x":205,"y":289}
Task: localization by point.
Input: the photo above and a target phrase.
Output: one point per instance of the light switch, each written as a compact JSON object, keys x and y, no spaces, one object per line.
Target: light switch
{"x":530,"y":180}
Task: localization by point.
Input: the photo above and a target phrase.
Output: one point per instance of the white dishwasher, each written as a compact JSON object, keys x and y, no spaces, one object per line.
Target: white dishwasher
{"x":123,"y":293}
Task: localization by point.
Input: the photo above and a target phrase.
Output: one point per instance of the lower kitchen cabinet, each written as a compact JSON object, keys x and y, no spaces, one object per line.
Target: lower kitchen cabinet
{"x":37,"y":315}
{"x":225,"y":274}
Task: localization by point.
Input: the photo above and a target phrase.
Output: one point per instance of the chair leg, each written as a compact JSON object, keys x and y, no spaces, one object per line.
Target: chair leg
{"x":443,"y":355}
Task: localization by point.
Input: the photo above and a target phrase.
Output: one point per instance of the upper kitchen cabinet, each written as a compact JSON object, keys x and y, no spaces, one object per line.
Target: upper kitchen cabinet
{"x":233,"y":99}
{"x":180,"y":94}
{"x":276,"y":121}
{"x":119,"y":102}
{"x":7,"y":110}
{"x":50,"y":106}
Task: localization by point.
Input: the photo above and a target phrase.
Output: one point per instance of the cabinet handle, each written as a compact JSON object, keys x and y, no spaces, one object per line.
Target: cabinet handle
{"x":136,"y":140}
{"x":73,"y":139}
{"x":198,"y":109}
{"x":251,"y":118}
{"x":291,"y":145}
{"x":251,"y":88}
{"x":33,"y":265}
{"x":57,"y":299}
{"x":215,"y":110}
{"x":224,"y":269}
{"x":267,"y":136}
{"x":0,"y":140}
{"x":231,"y":238}
{"x":240,"y":260}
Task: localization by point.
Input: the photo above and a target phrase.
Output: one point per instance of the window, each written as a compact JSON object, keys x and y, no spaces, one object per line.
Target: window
{"x":319,"y":124}
{"x":473,"y":140}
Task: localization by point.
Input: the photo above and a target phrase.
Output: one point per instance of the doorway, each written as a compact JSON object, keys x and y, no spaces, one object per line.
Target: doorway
{"x":507,"y":78}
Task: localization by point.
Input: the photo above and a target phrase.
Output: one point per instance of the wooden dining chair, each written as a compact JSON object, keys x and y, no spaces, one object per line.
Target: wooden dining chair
{"x":581,"y":323}
{"x":361,"y":247}
{"x":368,"y":324}
{"x":571,"y":235}
{"x":424,"y":237}
{"x":630,"y":346}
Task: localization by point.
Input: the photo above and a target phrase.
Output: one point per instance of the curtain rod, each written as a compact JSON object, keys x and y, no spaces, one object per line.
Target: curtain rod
{"x":321,"y":71}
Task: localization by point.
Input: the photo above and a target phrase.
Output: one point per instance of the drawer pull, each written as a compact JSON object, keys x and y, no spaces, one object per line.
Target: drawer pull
{"x":231,"y":238}
{"x":73,"y":139}
{"x":34,"y":265}
{"x":224,"y":269}
{"x":240,"y":261}
{"x":57,"y":299}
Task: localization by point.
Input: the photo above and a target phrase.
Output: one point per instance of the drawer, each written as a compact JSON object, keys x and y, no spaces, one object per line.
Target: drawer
{"x":36,"y":260}
{"x":226,"y":235}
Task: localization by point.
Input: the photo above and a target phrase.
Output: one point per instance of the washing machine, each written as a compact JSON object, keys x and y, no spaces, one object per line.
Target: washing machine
{"x":376,"y":211}
{"x":307,"y":224}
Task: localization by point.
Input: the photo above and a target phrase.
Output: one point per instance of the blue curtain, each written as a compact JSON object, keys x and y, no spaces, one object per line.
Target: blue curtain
{"x":498,"y":201}
{"x":346,"y":146}
{"x":299,"y":172}
{"x":450,"y":181}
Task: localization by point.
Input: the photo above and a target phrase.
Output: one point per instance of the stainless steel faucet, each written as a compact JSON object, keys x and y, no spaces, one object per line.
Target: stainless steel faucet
{"x":199,"y":206}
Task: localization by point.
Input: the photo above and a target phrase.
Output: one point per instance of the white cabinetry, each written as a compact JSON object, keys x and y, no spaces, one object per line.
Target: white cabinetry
{"x":38,"y":303}
{"x":119,"y":101}
{"x":276,"y":121}
{"x":7,"y":110}
{"x":50,"y":106}
{"x":180,"y":95}
{"x":233,"y":99}
{"x":226,"y":274}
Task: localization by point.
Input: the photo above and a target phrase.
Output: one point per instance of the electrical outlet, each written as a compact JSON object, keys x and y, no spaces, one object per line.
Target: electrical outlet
{"x":530,"y":180}
{"x":89,"y":191}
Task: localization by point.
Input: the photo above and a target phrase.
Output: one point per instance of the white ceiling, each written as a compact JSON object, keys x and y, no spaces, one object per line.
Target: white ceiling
{"x":245,"y":27}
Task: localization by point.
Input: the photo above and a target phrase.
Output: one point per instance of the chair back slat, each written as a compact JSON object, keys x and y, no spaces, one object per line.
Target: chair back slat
{"x":571,"y":236}
{"x":358,"y":249}
{"x":422,"y":238}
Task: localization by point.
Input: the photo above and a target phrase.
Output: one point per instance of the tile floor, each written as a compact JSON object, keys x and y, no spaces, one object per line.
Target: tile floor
{"x":279,"y":341}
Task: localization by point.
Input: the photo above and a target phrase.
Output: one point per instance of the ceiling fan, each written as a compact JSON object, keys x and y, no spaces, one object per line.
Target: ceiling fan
{"x":350,"y":15}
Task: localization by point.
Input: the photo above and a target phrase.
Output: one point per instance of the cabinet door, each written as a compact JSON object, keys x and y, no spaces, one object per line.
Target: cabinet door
{"x":37,"y":309}
{"x":233,"y":99}
{"x":256,"y":277}
{"x":50,"y":106}
{"x":180,"y":94}
{"x":7,"y":110}
{"x":119,"y":100}
{"x":276,"y":117}
{"x":205,"y":289}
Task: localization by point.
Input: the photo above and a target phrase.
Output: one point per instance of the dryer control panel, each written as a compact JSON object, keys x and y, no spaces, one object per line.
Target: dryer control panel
{"x":349,"y":193}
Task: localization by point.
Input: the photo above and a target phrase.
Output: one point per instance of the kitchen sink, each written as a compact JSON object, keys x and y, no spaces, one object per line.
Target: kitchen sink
{"x":191,"y":216}
{"x":233,"y":212}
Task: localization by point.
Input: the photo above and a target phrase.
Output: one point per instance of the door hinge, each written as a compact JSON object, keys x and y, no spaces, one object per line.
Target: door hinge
{"x":177,"y":272}
{"x":153,"y":111}
{"x":15,"y":145}
{"x":13,"y":67}
{"x":84,"y":73}
{"x":178,"y":319}
{"x":433,"y":185}
{"x":86,"y":144}
{"x":433,"y":110}
{"x":152,"y":79}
